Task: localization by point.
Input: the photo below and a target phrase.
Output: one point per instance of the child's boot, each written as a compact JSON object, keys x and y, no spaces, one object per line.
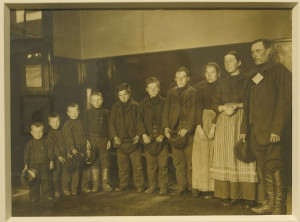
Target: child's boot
{"x":106,"y":187}
{"x":85,"y":180}
{"x":96,"y":180}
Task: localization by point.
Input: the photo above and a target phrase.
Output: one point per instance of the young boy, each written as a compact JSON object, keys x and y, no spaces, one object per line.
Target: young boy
{"x":150,"y":128}
{"x":56,"y":138}
{"x":97,"y":123}
{"x":39,"y":156}
{"x":179,"y":116}
{"x":123,"y":131}
{"x":77,"y":144}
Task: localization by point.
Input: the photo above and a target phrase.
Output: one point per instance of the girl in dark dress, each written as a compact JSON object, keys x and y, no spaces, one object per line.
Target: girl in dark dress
{"x":205,"y":131}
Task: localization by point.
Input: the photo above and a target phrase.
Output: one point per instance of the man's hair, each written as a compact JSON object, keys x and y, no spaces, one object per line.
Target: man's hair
{"x":96,"y":93}
{"x":54,"y":115}
{"x":123,"y":86}
{"x":215,"y":65}
{"x":183,"y":69}
{"x":152,"y":80}
{"x":266,"y":42}
{"x":37,"y":124}
{"x":235,"y":54}
{"x":73,"y":105}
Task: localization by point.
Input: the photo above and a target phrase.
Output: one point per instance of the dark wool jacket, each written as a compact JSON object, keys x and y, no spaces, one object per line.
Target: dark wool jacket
{"x":97,"y":122}
{"x":267,"y":105}
{"x":185,"y":109}
{"x":149,"y":114}
{"x":57,"y":140}
{"x":38,"y":152}
{"x":75,"y":135}
{"x":124,"y":124}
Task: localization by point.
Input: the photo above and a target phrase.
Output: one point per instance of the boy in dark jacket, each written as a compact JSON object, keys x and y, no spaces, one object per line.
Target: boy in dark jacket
{"x":179,"y":117}
{"x":77,"y":144}
{"x":123,"y":131}
{"x":97,"y":123}
{"x":150,"y":128}
{"x":39,"y":156}
{"x":56,"y":138}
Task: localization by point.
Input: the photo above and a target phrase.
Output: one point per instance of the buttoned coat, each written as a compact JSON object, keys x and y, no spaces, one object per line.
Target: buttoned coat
{"x":56,"y":138}
{"x":174,"y":108}
{"x":146,"y":112}
{"x":38,"y":152}
{"x":75,"y":135}
{"x":271,"y":102}
{"x":121,"y":122}
{"x":96,"y":122}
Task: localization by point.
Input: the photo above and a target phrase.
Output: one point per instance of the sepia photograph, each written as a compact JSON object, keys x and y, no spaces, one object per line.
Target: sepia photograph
{"x":160,"y":110}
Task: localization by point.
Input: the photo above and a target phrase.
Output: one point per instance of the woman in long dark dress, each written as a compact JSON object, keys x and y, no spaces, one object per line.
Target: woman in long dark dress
{"x":233,"y":179}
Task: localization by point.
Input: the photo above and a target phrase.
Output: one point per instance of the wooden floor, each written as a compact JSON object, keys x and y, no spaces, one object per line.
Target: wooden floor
{"x":127,"y":203}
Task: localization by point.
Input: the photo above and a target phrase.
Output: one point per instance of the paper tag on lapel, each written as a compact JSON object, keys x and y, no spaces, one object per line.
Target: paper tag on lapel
{"x":257,"y":78}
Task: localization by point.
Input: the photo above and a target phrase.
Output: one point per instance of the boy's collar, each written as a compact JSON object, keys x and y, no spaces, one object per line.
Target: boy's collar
{"x":55,"y":129}
{"x":130,"y":100}
{"x":156,"y":97}
{"x":183,"y":88}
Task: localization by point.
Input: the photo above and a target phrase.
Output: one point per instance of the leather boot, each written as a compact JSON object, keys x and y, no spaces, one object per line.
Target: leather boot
{"x":106,"y":187}
{"x":269,"y":189}
{"x":96,"y":179}
{"x":280,"y":189}
{"x":85,"y":181}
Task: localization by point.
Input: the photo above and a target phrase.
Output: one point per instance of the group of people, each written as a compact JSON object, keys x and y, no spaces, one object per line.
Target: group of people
{"x":201,"y":126}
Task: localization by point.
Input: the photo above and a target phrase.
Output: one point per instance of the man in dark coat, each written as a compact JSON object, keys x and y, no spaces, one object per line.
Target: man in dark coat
{"x":267,"y":108}
{"x":179,"y":117}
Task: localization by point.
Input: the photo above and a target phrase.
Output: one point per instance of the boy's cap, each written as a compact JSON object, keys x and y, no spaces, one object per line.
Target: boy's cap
{"x":153,"y":147}
{"x":74,"y":162}
{"x":91,"y":156}
{"x":70,"y":164}
{"x":28,"y":176}
{"x":127,"y":145}
{"x":177,"y":141}
{"x":242,"y":152}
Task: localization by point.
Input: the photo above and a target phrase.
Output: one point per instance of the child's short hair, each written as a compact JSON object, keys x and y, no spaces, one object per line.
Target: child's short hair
{"x":123,"y":86}
{"x":152,"y":80}
{"x":183,"y":69}
{"x":215,"y":65}
{"x":73,"y":105}
{"x":37,"y":125}
{"x":54,"y":115}
{"x":96,"y":93}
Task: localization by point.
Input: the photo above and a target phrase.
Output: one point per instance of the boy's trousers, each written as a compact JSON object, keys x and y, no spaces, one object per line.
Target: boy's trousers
{"x":182,"y":160}
{"x":40,"y":185}
{"x":70,"y":180}
{"x":102,"y":160}
{"x":157,"y":168}
{"x":57,"y":171}
{"x":123,"y":160}
{"x":100,"y":144}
